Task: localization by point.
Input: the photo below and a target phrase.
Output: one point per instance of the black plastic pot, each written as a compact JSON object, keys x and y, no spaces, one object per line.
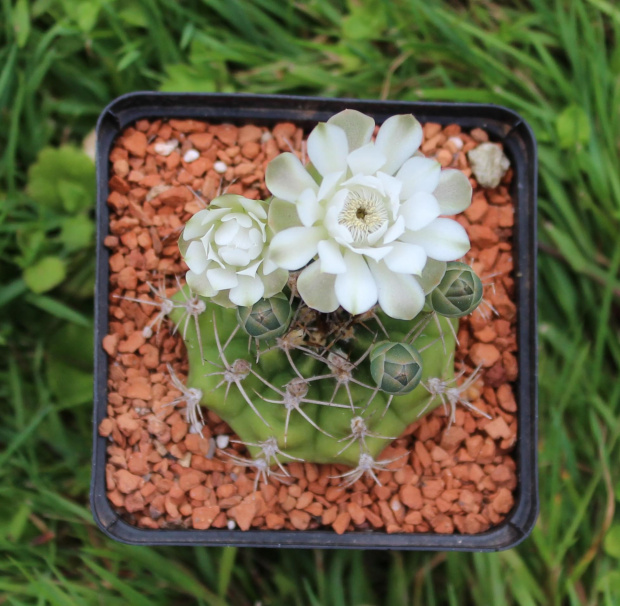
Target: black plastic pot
{"x":502,"y":125}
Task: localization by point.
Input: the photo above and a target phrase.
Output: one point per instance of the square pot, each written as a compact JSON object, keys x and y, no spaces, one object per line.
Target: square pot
{"x":518,"y":142}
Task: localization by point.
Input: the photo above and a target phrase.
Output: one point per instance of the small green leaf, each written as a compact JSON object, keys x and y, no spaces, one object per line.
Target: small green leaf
{"x":86,"y":14}
{"x":18,"y":522}
{"x":30,"y":243}
{"x":134,"y":15}
{"x":187,"y":79}
{"x":77,"y":233}
{"x":21,"y":22}
{"x":45,"y":275}
{"x":128,"y":59}
{"x":609,"y":582}
{"x":72,"y":195}
{"x":573,"y":127}
{"x":70,"y":385}
{"x":366,"y":21}
{"x":62,"y":179}
{"x":611,"y":543}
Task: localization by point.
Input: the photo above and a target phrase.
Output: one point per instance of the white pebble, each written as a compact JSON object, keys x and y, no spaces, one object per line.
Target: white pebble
{"x":458,"y":142}
{"x":191,"y":155}
{"x":220,"y":167}
{"x":165,"y":148}
{"x":222,"y":441}
{"x":488,"y":163}
{"x":231,"y":525}
{"x":266,"y":136}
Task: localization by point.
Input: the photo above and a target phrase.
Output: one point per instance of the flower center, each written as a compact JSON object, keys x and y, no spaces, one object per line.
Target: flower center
{"x":364,"y":212}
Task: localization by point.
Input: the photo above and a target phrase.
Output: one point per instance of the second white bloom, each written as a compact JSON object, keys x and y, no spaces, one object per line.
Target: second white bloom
{"x":365,"y":217}
{"x":224,"y":246}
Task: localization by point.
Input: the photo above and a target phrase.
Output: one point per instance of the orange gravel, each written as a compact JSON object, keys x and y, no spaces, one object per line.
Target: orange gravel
{"x":160,"y":476}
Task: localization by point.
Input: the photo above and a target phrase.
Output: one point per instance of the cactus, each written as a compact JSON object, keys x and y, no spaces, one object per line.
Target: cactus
{"x":320,"y":323}
{"x":306,"y":387}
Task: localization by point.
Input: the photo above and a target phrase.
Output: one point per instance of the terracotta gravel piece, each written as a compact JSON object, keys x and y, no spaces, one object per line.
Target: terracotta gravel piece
{"x":160,"y":476}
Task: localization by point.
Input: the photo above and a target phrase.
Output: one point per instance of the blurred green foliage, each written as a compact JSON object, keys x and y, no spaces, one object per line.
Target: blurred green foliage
{"x":557,"y":62}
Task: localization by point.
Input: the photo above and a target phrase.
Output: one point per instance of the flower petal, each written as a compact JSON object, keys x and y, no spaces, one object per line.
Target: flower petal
{"x":328,"y":148}
{"x":431,"y":275}
{"x":238,"y":257}
{"x":366,"y":160}
{"x":221,"y":298}
{"x":268,"y":265}
{"x":221,"y":279}
{"x":419,"y":174}
{"x":286,"y":177}
{"x":336,"y":230}
{"x":375,"y":236}
{"x":391,"y":187}
{"x":211,"y":252}
{"x":377,"y":253}
{"x":443,"y":239}
{"x":247,"y":292}
{"x":226,"y":233}
{"x":294,"y":247}
{"x":400,"y":296}
{"x":308,"y":208}
{"x":316,"y":288}
{"x":396,"y":230}
{"x":365,"y":181}
{"x":250,"y":270}
{"x":196,"y":226}
{"x":419,"y":210}
{"x":196,"y":257}
{"x":398,"y":138}
{"x":282,"y":215}
{"x":406,"y":258}
{"x":241,"y":218}
{"x":328,"y":184}
{"x":254,"y":207}
{"x":453,"y":192}
{"x":332,"y":261}
{"x":274,"y":282}
{"x":228,"y":201}
{"x":357,"y":126}
{"x":356,"y":289}
{"x":200,"y":284}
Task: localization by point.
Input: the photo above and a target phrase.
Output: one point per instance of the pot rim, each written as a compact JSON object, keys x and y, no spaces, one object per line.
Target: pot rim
{"x":503,"y":125}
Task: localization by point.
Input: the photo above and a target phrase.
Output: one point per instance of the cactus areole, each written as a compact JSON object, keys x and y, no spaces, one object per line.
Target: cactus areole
{"x":321,"y":322}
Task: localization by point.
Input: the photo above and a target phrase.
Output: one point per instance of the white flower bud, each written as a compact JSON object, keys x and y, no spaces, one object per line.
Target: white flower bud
{"x":224,"y":247}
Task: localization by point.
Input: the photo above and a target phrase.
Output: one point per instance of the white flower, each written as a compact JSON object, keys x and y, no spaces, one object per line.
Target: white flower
{"x":365,"y":215}
{"x":223,"y":246}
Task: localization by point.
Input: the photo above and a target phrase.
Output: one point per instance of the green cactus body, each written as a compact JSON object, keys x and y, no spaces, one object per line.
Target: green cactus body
{"x":255,"y":407}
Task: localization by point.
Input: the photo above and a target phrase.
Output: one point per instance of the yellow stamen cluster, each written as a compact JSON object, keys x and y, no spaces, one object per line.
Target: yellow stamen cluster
{"x":364,"y":212}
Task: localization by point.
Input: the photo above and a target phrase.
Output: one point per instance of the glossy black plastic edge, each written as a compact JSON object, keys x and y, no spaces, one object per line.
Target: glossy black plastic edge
{"x":519,"y":143}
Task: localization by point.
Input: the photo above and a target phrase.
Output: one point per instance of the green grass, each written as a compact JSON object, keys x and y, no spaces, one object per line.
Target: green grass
{"x":556,"y":62}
